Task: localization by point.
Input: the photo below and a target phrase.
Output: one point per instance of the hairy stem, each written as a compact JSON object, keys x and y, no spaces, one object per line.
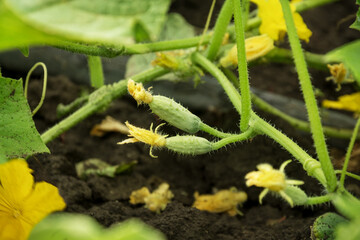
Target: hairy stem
{"x":242,"y":66}
{"x":221,"y":24}
{"x":96,"y":71}
{"x":260,"y":126}
{"x":309,"y":97}
{"x":348,"y":153}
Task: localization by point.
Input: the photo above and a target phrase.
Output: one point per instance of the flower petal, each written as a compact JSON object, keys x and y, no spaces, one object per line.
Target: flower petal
{"x":44,"y":200}
{"x":16,"y":182}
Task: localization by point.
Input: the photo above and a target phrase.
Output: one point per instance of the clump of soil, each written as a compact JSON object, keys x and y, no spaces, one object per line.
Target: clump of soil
{"x":107,"y":199}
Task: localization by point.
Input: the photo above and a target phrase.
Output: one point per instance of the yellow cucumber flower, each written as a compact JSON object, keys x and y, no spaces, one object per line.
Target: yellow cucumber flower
{"x":24,"y":203}
{"x":272,"y":180}
{"x":349,"y":102}
{"x":138,"y":92}
{"x":273,"y":22}
{"x":255,"y":47}
{"x":146,"y":136}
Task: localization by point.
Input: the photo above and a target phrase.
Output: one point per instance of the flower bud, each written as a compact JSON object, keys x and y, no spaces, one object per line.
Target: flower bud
{"x":189,"y":145}
{"x":175,"y":114}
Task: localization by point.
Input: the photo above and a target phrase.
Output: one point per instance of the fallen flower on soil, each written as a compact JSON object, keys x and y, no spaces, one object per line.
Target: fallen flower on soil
{"x":272,"y":180}
{"x":155,"y":201}
{"x":222,"y":201}
{"x":146,"y":136}
{"x":255,"y":47}
{"x":349,"y":102}
{"x":24,"y":203}
{"x":273,"y":22}
{"x":109,"y":124}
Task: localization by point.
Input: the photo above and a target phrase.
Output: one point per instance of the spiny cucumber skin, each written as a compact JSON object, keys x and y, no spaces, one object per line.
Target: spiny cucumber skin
{"x":175,"y":114}
{"x":190,"y":145}
{"x":298,"y":196}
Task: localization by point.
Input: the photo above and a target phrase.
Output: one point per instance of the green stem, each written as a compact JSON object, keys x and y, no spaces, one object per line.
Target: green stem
{"x":99,"y":99}
{"x":319,"y":200}
{"x":206,"y":128}
{"x":281,"y":55}
{"x":235,"y":138}
{"x":357,"y":177}
{"x":309,"y":97}
{"x":311,"y":166}
{"x":110,"y":51}
{"x":260,"y":126}
{"x":300,"y":124}
{"x":63,"y":110}
{"x":96,"y":71}
{"x":206,"y":24}
{"x":242,"y":66}
{"x":44,"y":85}
{"x":221,"y":24}
{"x":348,"y":153}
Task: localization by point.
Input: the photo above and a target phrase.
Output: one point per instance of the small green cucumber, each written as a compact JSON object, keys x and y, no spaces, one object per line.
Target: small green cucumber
{"x":192,"y":145}
{"x":175,"y":114}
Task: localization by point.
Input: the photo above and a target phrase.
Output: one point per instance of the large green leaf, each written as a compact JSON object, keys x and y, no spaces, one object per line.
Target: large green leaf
{"x":110,"y":21}
{"x":18,"y":135}
{"x":356,"y":24}
{"x":17,"y":33}
{"x":349,"y":55}
{"x":80,"y":227}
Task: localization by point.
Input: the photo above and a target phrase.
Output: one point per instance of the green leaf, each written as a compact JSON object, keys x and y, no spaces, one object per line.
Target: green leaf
{"x":324,"y":226}
{"x":18,"y":135}
{"x":24,"y":50}
{"x":101,"y":21}
{"x":356,"y":24}
{"x":96,"y":166}
{"x":80,"y":227}
{"x":349,"y":55}
{"x":16,"y":33}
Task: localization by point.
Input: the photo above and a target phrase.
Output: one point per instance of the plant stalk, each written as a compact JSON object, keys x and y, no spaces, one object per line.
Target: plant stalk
{"x":309,"y":97}
{"x":220,"y":28}
{"x":96,"y":71}
{"x":348,"y":153}
{"x":242,"y":66}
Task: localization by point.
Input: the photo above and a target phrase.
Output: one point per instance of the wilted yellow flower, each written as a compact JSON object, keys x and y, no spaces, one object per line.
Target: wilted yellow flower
{"x":24,"y":203}
{"x":145,"y":136}
{"x":138,"y":92}
{"x":271,"y":179}
{"x":339,"y":75}
{"x":255,"y":47}
{"x":273,"y":22}
{"x":155,"y":201}
{"x":349,"y":102}
{"x":222,"y":201}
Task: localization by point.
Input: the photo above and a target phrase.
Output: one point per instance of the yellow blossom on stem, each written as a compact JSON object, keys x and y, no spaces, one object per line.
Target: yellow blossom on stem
{"x":138,"y":92}
{"x":24,"y":203}
{"x":272,"y":180}
{"x":349,"y":102}
{"x":339,"y":75}
{"x":146,"y":136}
{"x":273,"y":22}
{"x":255,"y":47}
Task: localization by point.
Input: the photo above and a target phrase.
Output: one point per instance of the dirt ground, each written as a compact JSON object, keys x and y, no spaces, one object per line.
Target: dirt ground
{"x":107,"y":199}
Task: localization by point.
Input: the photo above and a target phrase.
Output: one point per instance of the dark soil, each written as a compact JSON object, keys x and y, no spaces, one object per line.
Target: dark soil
{"x":107,"y":199}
